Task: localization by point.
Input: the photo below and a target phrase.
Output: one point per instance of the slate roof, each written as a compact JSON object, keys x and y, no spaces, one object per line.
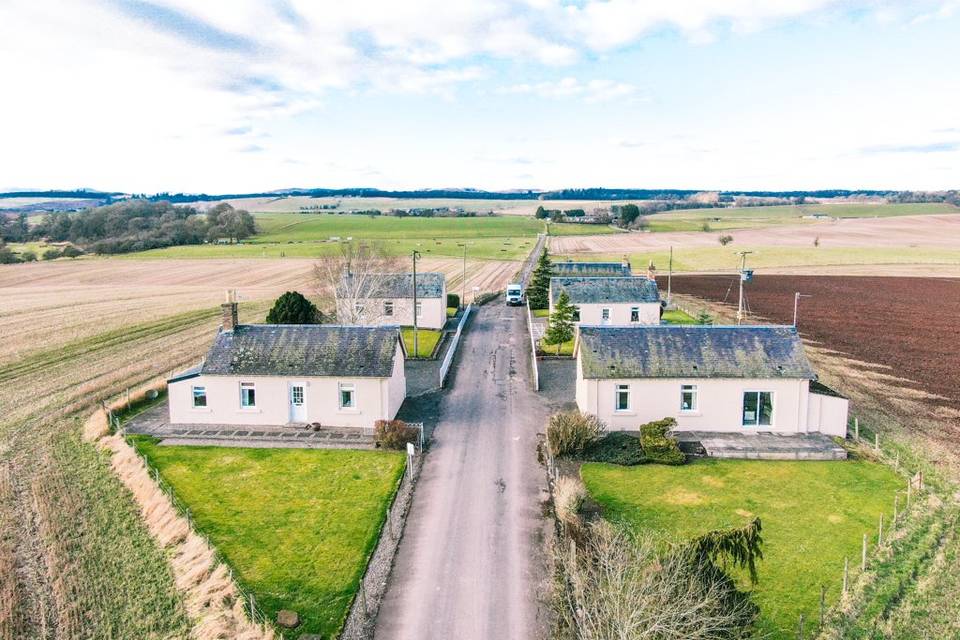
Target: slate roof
{"x":693,"y":351}
{"x":192,"y":372}
{"x":596,"y":269}
{"x":597,"y":290}
{"x":400,"y":285}
{"x":824,"y":390}
{"x":303,"y":350}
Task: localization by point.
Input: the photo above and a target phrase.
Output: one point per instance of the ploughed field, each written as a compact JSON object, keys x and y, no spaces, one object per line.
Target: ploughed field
{"x":907,"y":324}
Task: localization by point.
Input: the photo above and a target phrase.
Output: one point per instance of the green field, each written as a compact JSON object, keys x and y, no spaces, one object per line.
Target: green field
{"x":574,"y":229}
{"x":427,"y":340}
{"x":721,"y":258}
{"x":296,"y":525}
{"x":813,"y":514}
{"x":676,"y":316}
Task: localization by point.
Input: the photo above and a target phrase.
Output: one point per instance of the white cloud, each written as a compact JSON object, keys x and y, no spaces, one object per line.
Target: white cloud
{"x":592,"y":92}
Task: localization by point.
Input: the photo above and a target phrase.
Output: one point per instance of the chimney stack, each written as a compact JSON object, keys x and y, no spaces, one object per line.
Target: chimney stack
{"x":651,"y":272}
{"x":625,"y":262}
{"x":229,"y":309}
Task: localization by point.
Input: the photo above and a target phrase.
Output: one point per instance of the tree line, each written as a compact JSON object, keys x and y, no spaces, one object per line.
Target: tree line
{"x":135,"y":225}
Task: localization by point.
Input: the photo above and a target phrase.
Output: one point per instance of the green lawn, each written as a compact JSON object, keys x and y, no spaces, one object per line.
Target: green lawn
{"x":427,"y":340}
{"x":296,"y":525}
{"x":541,"y":313}
{"x":676,"y":316}
{"x":813,"y":513}
{"x":451,"y":312}
{"x":566,"y":348}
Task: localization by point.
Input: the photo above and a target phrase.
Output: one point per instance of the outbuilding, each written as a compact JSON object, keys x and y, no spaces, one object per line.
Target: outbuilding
{"x":387,"y":299}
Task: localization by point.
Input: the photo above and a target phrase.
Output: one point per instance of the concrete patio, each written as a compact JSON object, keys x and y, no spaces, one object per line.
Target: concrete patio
{"x":154,"y":422}
{"x":762,"y":445}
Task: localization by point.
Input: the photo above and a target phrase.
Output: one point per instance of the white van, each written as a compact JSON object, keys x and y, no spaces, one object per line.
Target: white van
{"x":514,"y":295}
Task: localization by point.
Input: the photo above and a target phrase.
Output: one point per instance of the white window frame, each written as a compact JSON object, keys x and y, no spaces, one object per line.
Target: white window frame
{"x":388,"y":308}
{"x":694,"y":390}
{"x":634,"y":313}
{"x":352,"y":389}
{"x":419,"y":309}
{"x":252,"y":386}
{"x":617,"y":390}
{"x":358,"y":308}
{"x":604,"y":314}
{"x":756,"y":423}
{"x":202,"y":392}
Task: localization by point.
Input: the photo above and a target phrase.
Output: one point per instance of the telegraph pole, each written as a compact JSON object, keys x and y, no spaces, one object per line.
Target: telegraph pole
{"x":796,"y":304}
{"x":416,"y":349}
{"x":463,"y":285}
{"x":743,"y":270}
{"x":669,"y":275}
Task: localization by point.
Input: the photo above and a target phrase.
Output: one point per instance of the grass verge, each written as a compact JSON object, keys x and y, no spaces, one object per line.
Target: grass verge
{"x":814,"y":514}
{"x":676,"y":316}
{"x":296,"y":525}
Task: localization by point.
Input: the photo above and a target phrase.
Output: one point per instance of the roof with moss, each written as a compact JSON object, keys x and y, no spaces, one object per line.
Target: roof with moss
{"x":692,"y":351}
{"x":596,"y":269}
{"x":593,"y":290}
{"x":400,"y":285}
{"x":303,"y":350}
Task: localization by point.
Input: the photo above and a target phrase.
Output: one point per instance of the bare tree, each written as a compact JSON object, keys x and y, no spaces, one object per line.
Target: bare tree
{"x":349,"y":275}
{"x":618,"y":587}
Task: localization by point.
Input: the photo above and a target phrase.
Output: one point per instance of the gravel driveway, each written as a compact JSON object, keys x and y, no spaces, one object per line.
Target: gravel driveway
{"x":471,"y":563}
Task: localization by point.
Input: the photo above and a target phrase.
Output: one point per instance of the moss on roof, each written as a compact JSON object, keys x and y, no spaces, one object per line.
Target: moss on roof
{"x":596,"y":290}
{"x":692,"y":351}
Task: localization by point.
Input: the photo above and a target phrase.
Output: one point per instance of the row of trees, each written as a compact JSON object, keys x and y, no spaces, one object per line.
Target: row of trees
{"x":137,"y":225}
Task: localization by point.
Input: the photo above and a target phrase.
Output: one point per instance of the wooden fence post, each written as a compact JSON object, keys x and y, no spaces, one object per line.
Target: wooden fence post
{"x":863,"y":554}
{"x":876,"y":441}
{"x":880,"y":532}
{"x":800,"y":628}
{"x":823,"y":604}
{"x":856,"y":428}
{"x":909,"y":489}
{"x":896,"y":504}
{"x":846,"y":573}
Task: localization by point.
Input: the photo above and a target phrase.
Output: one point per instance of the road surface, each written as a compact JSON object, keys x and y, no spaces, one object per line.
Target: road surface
{"x":471,"y":562}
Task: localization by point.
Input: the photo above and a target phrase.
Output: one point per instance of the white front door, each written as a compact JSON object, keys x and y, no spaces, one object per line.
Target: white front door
{"x":298,"y":402}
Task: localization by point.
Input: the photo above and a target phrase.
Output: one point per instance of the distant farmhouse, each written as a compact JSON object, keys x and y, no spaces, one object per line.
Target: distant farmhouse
{"x":592,"y":269}
{"x":264,"y":374}
{"x":387,"y":299}
{"x":710,"y":378}
{"x":612,"y":301}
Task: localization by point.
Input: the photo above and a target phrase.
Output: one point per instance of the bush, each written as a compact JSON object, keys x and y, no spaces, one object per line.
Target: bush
{"x":293,"y":308}
{"x":51,"y":254}
{"x":658,"y":447}
{"x":7,"y":256}
{"x":28,"y":256}
{"x":616,"y":447}
{"x":453,"y":300}
{"x":394,"y":434}
{"x":571,"y":432}
{"x":71,"y":251}
{"x":569,"y":495}
{"x":726,"y":239}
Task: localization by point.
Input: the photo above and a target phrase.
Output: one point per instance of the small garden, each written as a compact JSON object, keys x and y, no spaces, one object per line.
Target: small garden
{"x":296,"y":525}
{"x":427,"y":340}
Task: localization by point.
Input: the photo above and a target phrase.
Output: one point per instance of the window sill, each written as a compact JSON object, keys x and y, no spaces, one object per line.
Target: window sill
{"x":625,"y":412}
{"x":201,"y":409}
{"x":691,"y":413}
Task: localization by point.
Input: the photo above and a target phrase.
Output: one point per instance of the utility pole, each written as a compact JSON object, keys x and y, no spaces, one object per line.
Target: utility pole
{"x":463,"y":285}
{"x":416,"y":349}
{"x":669,"y":275}
{"x":743,"y":270}
{"x":796,"y":304}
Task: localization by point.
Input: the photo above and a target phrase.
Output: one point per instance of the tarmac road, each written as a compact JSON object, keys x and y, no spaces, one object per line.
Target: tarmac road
{"x":471,"y":562}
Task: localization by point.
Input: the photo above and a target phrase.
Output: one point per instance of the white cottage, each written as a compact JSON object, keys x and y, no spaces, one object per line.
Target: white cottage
{"x":610,"y":301}
{"x":710,"y":378}
{"x":387,"y":299}
{"x":266,"y":374}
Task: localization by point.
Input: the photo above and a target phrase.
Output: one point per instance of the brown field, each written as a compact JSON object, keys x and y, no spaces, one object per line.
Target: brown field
{"x":935,"y":231}
{"x":76,"y":560}
{"x":905,"y":329}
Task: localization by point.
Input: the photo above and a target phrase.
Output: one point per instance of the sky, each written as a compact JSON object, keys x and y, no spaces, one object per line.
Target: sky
{"x":232,"y":96}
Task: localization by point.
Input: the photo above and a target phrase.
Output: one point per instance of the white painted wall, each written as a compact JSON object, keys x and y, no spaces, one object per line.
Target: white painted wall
{"x":433,"y":312}
{"x":828,"y":414}
{"x":719,"y":403}
{"x":375,"y":399}
{"x":592,"y":314}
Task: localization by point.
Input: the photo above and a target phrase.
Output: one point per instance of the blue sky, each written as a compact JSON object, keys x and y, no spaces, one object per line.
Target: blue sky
{"x":246,"y":95}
